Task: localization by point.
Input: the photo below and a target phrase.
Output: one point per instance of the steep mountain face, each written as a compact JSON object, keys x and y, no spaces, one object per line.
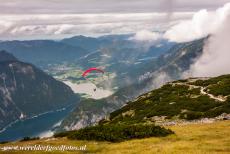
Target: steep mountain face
{"x":26,"y":91}
{"x":184,"y":99}
{"x":6,"y":56}
{"x":174,"y":62}
{"x":143,"y":79}
{"x":155,"y":72}
{"x":43,"y":52}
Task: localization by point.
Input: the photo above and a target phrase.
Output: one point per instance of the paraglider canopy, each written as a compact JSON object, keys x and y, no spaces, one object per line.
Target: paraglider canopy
{"x":90,"y":70}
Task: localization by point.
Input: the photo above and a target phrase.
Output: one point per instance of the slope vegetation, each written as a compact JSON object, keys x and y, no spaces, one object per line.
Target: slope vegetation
{"x":184,"y":99}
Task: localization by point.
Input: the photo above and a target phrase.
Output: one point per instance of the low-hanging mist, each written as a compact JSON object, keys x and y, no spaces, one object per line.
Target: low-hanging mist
{"x":216,"y":53}
{"x":203,"y":23}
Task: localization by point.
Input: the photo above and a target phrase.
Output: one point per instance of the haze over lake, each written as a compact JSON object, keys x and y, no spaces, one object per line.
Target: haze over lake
{"x":89,"y":89}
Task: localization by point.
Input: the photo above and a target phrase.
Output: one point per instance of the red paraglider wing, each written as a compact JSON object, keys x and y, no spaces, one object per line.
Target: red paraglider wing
{"x":90,"y":70}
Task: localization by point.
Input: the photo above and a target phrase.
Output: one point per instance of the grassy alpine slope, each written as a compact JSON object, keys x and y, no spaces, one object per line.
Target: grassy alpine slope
{"x":184,"y":99}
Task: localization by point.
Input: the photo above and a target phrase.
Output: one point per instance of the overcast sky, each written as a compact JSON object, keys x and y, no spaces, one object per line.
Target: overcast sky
{"x":104,"y":6}
{"x":21,"y":19}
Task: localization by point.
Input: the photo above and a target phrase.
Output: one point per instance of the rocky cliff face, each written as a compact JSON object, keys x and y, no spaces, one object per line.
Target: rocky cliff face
{"x":26,"y":91}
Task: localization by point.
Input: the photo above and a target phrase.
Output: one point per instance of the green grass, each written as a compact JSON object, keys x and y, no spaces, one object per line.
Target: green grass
{"x":191,"y":139}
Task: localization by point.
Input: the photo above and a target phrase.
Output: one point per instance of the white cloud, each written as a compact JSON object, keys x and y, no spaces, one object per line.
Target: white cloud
{"x":160,"y":79}
{"x":88,"y":88}
{"x":216,"y":53}
{"x":32,"y":19}
{"x":145,"y":35}
{"x":55,"y":26}
{"x":202,"y":24}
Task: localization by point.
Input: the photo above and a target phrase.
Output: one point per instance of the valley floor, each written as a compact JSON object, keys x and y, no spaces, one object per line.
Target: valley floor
{"x":192,"y":138}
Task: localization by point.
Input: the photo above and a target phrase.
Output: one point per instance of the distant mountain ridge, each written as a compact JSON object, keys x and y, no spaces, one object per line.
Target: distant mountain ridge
{"x":88,"y":43}
{"x":117,"y":53}
{"x":95,"y":43}
{"x":43,"y":52}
